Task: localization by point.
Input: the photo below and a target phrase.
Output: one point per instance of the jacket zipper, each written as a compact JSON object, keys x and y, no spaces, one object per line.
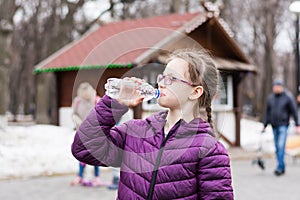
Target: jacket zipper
{"x":158,"y":160}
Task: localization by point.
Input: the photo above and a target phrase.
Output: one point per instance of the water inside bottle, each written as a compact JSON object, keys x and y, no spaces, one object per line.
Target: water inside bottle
{"x":127,"y":89}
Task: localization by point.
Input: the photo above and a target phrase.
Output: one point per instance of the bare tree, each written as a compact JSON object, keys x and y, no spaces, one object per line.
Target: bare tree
{"x":256,"y":25}
{"x":7,"y":12}
{"x":34,"y":40}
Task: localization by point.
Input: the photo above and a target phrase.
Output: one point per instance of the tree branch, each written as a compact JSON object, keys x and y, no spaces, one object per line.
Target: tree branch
{"x":97,"y":19}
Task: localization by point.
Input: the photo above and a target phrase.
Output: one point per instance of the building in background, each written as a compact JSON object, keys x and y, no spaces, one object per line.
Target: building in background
{"x":139,"y":48}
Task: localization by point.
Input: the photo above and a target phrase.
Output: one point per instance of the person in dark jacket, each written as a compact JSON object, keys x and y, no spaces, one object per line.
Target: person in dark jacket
{"x":172,"y":154}
{"x":280,"y":106}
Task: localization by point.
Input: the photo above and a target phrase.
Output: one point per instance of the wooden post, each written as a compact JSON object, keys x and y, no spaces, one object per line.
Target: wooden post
{"x":238,"y":104}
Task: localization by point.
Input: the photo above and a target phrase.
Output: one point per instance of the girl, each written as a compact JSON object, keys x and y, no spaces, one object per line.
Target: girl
{"x":172,"y":154}
{"x":82,"y":104}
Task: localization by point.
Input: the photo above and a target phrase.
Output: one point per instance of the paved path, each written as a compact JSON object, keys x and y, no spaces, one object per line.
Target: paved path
{"x":249,"y":182}
{"x":54,"y":188}
{"x":252,"y":183}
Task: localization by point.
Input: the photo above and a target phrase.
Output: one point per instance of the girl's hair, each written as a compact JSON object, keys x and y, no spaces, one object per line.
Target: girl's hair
{"x":203,"y":71}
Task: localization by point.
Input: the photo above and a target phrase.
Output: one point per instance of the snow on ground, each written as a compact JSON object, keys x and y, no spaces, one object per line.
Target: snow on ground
{"x":35,"y":150}
{"x":252,"y":137}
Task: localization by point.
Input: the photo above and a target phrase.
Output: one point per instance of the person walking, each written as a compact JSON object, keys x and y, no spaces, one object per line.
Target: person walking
{"x":173,"y":154}
{"x":280,"y":107}
{"x":82,"y":104}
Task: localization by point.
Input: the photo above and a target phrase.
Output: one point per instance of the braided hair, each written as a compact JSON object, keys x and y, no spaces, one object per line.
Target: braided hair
{"x":203,"y":71}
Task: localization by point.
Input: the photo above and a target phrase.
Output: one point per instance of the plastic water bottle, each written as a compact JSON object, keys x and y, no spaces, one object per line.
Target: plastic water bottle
{"x":129,"y":88}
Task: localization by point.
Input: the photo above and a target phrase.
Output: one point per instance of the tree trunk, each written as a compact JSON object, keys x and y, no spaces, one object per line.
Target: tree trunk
{"x":7,"y":10}
{"x":175,"y":6}
{"x":269,"y":57}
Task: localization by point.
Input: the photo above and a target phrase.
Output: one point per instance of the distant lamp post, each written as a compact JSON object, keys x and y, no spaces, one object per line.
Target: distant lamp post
{"x":295,"y":8}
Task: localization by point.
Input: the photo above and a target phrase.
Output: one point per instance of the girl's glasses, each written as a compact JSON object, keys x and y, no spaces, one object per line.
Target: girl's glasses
{"x":168,"y":80}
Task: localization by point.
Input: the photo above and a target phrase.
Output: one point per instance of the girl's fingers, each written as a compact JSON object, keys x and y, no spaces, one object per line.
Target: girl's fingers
{"x":131,"y":102}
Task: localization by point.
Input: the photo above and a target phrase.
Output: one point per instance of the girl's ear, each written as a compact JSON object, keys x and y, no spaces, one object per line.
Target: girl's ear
{"x":197,"y":92}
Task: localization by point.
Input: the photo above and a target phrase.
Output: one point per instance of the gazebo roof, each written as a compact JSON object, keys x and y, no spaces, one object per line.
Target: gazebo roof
{"x":125,"y":43}
{"x":74,"y":55}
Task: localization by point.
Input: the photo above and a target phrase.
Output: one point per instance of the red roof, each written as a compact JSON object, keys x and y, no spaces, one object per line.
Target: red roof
{"x":117,"y":43}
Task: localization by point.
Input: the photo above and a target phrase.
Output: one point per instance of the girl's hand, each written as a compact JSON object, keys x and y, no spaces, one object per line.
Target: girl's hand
{"x":129,"y":92}
{"x":298,"y":130}
{"x":131,"y":102}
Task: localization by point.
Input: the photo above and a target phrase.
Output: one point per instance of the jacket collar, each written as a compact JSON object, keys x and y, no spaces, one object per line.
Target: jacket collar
{"x":196,"y":126}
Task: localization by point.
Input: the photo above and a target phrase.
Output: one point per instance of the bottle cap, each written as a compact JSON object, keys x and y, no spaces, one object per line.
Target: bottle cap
{"x":157,"y":93}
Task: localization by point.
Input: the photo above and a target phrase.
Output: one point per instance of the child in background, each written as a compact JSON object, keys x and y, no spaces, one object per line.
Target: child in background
{"x":172,"y":154}
{"x":82,"y":104}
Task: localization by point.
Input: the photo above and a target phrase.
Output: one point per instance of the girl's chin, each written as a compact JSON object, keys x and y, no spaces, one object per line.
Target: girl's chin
{"x":162,"y":103}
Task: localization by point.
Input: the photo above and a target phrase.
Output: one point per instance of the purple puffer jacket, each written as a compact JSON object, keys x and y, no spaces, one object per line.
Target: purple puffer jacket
{"x":187,"y":163}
